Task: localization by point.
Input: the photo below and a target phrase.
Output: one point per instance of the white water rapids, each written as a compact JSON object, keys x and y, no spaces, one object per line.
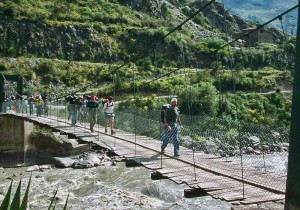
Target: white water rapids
{"x":113,"y":187}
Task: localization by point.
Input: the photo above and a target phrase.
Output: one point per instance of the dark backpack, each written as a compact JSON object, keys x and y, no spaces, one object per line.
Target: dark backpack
{"x":163,"y":112}
{"x":108,"y":104}
{"x":103,"y":102}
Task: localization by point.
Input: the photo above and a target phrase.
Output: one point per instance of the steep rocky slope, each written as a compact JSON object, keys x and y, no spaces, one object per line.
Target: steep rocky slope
{"x":85,"y":33}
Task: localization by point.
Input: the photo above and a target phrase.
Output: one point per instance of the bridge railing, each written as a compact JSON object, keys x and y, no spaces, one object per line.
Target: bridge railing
{"x":246,"y":145}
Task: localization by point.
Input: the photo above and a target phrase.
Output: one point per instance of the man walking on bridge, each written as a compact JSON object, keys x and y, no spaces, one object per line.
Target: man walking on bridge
{"x":92,"y":107}
{"x":172,"y":122}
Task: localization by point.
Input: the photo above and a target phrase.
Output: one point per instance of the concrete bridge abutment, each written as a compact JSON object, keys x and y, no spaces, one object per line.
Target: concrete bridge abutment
{"x":14,"y":136}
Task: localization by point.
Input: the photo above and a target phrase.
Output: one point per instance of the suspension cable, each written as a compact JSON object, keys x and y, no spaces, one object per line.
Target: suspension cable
{"x":178,"y":27}
{"x":259,"y":27}
{"x":155,"y":43}
{"x":234,"y":91}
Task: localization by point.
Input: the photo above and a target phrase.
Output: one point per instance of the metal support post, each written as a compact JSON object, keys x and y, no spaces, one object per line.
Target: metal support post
{"x":292,"y":194}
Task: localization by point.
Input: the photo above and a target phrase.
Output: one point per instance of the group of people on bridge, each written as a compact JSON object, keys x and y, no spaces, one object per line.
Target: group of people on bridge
{"x":87,"y":107}
{"x":21,"y":104}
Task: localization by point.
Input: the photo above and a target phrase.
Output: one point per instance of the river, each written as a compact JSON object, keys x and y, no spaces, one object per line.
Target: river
{"x":104,"y":187}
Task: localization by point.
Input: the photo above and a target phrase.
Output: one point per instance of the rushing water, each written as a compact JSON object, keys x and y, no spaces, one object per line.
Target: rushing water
{"x":110,"y":187}
{"x":275,"y":162}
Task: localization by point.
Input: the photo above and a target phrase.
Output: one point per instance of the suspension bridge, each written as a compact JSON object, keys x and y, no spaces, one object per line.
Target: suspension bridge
{"x":203,"y":166}
{"x":203,"y":173}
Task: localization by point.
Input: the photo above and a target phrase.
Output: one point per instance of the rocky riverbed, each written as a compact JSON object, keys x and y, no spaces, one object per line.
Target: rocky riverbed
{"x":94,"y":180}
{"x":108,"y":186}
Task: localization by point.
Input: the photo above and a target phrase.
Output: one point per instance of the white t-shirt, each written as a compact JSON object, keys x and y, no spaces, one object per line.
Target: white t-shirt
{"x":109,"y":108}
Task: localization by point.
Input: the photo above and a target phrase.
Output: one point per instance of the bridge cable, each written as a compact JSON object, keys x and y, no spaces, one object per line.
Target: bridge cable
{"x":157,"y":42}
{"x":135,"y":116}
{"x":257,"y":28}
{"x":229,"y":43}
{"x":217,"y":65}
{"x":189,"y":101}
{"x":178,"y":27}
{"x":234,"y":91}
{"x":165,"y":36}
{"x":158,"y":100}
{"x":256,"y":100}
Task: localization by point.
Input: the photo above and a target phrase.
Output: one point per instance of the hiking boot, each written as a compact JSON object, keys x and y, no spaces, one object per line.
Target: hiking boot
{"x":113,"y":132}
{"x":176,"y":155}
{"x":105,"y":131}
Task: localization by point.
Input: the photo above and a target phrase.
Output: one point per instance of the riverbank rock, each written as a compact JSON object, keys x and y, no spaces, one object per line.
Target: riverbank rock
{"x":33,"y":168}
{"x":43,"y":167}
{"x":210,"y":146}
{"x":84,"y":160}
{"x":82,"y":164}
{"x":93,"y":159}
{"x":255,"y":141}
{"x":63,"y":162}
{"x":187,"y":141}
{"x":284,"y":147}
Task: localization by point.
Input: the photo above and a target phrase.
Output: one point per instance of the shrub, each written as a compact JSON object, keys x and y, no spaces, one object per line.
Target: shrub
{"x":199,"y":100}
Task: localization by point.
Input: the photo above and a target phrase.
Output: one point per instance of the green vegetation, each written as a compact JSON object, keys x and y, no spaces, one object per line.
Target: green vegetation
{"x":60,"y":45}
{"x":15,"y":203}
{"x":7,"y":204}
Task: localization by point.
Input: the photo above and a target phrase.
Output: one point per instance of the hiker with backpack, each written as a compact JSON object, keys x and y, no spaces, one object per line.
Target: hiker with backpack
{"x":92,"y":107}
{"x":71,"y":99}
{"x":109,"y":114}
{"x":104,"y":101}
{"x":171,"y":122}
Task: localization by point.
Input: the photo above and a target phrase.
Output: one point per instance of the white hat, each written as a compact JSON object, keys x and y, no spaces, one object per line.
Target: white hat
{"x":174,"y":100}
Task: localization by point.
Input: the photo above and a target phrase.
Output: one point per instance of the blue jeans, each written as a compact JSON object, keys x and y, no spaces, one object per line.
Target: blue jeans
{"x":171,"y":134}
{"x":74,"y":117}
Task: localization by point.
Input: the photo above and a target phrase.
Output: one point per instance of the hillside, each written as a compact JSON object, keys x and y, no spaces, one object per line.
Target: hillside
{"x":114,"y":31}
{"x":59,"y":46}
{"x":104,"y":31}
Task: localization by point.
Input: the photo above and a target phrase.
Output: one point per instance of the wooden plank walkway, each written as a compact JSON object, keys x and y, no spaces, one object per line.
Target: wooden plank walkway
{"x":220,"y":179}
